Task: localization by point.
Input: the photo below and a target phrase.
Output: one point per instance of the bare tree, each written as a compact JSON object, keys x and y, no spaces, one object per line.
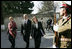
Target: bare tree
{"x":47,"y":6}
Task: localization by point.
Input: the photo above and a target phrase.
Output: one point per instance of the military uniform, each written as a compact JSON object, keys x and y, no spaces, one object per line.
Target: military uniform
{"x":63,"y":28}
{"x":64,"y":33}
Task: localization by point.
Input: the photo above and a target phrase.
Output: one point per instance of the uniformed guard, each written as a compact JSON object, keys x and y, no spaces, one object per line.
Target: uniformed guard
{"x":63,"y":27}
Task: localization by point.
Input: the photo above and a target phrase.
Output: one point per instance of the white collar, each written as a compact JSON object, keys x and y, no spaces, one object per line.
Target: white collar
{"x":26,"y":20}
{"x":36,"y":25}
{"x":64,"y":17}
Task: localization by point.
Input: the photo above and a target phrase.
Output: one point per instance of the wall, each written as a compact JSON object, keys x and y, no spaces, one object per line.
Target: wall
{"x":18,"y":19}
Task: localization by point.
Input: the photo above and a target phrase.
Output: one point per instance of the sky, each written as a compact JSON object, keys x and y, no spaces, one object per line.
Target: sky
{"x":37,"y":4}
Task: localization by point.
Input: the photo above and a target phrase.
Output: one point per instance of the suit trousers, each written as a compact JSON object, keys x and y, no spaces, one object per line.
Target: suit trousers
{"x":26,"y":39}
{"x":37,"y":42}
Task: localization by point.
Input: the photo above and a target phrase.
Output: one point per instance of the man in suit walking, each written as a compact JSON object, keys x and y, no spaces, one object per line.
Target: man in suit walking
{"x":26,"y":29}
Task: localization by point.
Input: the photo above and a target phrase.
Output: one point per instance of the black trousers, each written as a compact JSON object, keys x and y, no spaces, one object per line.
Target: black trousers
{"x":37,"y":42}
{"x":12,"y":41}
{"x":26,"y":39}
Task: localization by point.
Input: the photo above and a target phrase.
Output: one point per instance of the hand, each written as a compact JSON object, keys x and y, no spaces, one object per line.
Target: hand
{"x":44,"y":35}
{"x":14,"y":36}
{"x":11,"y":29}
{"x":55,"y":27}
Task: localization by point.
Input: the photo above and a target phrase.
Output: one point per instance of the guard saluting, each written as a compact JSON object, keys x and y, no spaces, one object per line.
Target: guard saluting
{"x":63,"y":27}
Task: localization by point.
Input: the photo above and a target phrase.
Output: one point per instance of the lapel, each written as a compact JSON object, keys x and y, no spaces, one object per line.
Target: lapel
{"x":27,"y":21}
{"x":39,"y":26}
{"x":35,"y":25}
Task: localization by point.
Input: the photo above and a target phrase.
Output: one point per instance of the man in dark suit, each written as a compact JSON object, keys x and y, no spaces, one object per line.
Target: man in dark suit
{"x":37,"y":32}
{"x":26,"y":29}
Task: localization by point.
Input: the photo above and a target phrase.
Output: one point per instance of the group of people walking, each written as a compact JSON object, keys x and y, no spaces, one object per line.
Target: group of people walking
{"x":28,"y":27}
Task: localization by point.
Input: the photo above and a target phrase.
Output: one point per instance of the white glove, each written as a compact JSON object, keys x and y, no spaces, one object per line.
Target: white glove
{"x":55,"y":27}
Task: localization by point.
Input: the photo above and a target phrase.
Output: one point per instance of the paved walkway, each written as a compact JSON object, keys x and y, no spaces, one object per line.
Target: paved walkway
{"x":46,"y":41}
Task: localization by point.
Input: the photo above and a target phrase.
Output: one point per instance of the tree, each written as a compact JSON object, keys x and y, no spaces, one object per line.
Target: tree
{"x":11,"y":7}
{"x":47,"y":6}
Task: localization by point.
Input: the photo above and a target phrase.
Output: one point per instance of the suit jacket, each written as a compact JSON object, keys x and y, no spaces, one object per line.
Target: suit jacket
{"x":36,"y":33}
{"x":26,"y":28}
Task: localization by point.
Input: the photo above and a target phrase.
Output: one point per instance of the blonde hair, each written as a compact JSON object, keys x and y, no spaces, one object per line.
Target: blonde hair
{"x":10,"y":17}
{"x":34,"y":17}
